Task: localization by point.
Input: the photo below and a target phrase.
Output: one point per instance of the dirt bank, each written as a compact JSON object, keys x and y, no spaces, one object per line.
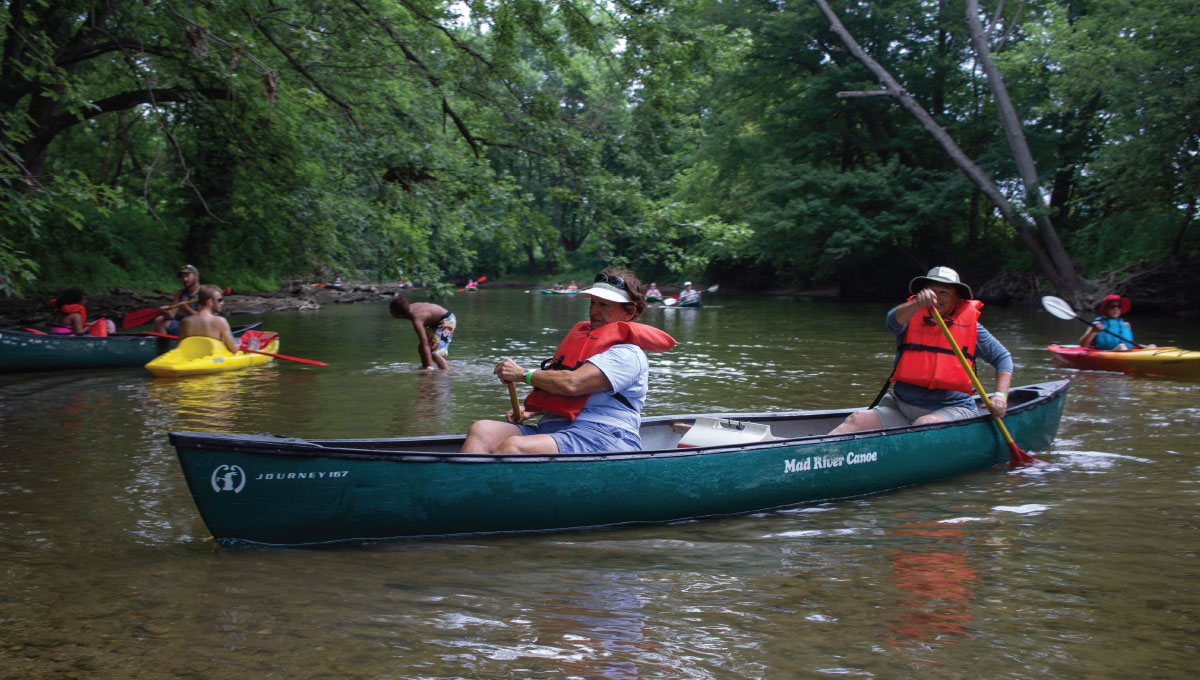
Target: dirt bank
{"x":38,"y":313}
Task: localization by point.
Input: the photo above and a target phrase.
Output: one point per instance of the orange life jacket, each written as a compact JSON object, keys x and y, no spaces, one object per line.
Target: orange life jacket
{"x":583,"y":343}
{"x":98,"y":328}
{"x":927,"y":360}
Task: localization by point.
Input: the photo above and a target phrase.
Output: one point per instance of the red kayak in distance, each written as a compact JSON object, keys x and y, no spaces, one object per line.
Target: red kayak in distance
{"x":1166,"y":361}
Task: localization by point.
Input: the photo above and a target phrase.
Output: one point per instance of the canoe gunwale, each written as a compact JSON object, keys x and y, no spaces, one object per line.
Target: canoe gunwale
{"x":271,"y":444}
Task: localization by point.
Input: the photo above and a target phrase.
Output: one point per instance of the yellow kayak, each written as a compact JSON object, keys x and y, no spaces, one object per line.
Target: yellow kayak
{"x":201,"y":356}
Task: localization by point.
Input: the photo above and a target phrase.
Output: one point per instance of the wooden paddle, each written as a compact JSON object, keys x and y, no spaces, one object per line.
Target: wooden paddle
{"x":1015,"y":455}
{"x":142,"y":316}
{"x":518,"y":414}
{"x":254,"y":351}
{"x":1059,"y":307}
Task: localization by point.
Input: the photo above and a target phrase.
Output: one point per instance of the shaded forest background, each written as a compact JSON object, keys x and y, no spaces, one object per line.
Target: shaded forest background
{"x":698,"y":139}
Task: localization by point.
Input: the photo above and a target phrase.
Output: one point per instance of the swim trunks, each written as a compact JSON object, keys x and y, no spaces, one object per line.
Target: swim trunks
{"x":439,"y":340}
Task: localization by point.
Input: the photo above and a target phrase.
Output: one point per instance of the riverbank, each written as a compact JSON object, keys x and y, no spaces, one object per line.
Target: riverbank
{"x":37,"y":312}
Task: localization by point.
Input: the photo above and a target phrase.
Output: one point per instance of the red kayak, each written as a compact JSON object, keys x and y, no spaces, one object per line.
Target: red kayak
{"x":1168,"y":361}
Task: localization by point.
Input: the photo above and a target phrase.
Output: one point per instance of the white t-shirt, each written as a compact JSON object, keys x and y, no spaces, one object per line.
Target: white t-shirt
{"x":628,"y":371}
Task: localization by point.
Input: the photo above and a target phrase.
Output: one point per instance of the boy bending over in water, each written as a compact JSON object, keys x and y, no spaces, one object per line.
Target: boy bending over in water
{"x":434,"y":326}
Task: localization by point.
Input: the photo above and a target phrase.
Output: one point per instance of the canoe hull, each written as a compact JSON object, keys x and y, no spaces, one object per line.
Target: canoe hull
{"x":1165,"y":361}
{"x":25,"y":351}
{"x":264,"y":490}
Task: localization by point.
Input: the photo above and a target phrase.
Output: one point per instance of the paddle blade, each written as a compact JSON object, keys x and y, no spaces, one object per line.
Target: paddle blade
{"x":670,"y":301}
{"x":712,"y":288}
{"x":1059,"y":308}
{"x":481,"y":279}
{"x":1018,"y":458}
{"x":139,"y":317}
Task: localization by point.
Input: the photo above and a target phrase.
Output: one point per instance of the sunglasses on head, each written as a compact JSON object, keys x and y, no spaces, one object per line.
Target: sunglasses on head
{"x":610,"y":280}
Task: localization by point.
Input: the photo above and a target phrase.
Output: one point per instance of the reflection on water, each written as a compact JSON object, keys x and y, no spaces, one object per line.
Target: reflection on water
{"x":1083,"y":568}
{"x":212,"y":402}
{"x":939,"y":577}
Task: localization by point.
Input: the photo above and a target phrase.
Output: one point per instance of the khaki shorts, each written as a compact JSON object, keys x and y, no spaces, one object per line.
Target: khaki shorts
{"x":895,"y":412}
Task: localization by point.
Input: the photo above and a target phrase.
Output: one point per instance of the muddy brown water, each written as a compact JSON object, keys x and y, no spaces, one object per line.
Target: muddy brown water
{"x":1086,"y":567}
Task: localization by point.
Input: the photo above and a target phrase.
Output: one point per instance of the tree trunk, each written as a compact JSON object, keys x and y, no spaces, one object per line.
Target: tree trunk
{"x":1048,"y":252}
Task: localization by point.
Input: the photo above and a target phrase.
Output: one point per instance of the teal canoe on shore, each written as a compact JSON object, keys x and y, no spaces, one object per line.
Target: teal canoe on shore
{"x":25,"y":351}
{"x":268,"y":490}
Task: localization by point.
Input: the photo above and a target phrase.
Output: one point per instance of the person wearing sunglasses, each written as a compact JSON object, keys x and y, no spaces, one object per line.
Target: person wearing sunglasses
{"x":929,"y":384}
{"x":591,"y":392}
{"x":1109,"y":331}
{"x":205,"y":322}
{"x":168,"y":319}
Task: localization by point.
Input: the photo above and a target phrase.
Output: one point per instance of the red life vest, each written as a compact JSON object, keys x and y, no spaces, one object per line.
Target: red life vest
{"x":583,"y":343}
{"x":927,"y":360}
{"x":75,"y":309}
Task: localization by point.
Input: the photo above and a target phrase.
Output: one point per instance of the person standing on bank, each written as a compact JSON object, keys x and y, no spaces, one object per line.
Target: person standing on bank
{"x":168,"y":320}
{"x":592,"y":391}
{"x":930,"y":383}
{"x":434,"y":326}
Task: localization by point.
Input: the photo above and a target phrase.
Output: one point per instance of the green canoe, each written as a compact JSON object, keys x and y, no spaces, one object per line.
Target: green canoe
{"x":25,"y":351}
{"x":267,"y":490}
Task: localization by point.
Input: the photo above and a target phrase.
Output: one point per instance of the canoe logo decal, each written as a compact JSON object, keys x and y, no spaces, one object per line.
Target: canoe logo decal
{"x":228,"y":478}
{"x":826,"y":462}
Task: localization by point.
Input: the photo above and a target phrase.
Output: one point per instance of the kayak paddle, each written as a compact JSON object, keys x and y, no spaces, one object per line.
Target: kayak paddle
{"x":254,"y":351}
{"x":1015,"y":455}
{"x":1059,"y":307}
{"x":477,"y":281}
{"x":142,"y":316}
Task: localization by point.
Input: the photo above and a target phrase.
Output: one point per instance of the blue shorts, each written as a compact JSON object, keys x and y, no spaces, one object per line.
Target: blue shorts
{"x":173,"y":327}
{"x":584,"y":436}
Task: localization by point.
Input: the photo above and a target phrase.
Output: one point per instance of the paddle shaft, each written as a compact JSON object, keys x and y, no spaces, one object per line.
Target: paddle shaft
{"x":518,"y":415}
{"x":1016,"y":455}
{"x":252,"y":351}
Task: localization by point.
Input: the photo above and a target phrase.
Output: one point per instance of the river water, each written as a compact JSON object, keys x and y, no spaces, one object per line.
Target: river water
{"x":1084,"y":568}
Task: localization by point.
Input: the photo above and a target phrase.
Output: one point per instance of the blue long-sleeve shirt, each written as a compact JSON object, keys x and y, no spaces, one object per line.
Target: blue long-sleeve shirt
{"x":987,"y":347}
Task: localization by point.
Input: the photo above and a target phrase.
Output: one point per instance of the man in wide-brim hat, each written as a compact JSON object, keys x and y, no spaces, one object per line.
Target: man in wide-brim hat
{"x":930,"y":383}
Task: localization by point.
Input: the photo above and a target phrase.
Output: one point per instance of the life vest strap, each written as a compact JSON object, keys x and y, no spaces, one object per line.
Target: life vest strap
{"x":930,"y":348}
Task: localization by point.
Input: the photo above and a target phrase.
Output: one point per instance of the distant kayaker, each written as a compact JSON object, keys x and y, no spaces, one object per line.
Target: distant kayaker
{"x":653,"y":291}
{"x":205,"y":322}
{"x":168,"y":319}
{"x":71,"y":317}
{"x":688,"y":294}
{"x":572,"y":286}
{"x":930,"y":383}
{"x":1109,"y":331}
{"x":434,"y":326}
{"x":592,"y":391}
